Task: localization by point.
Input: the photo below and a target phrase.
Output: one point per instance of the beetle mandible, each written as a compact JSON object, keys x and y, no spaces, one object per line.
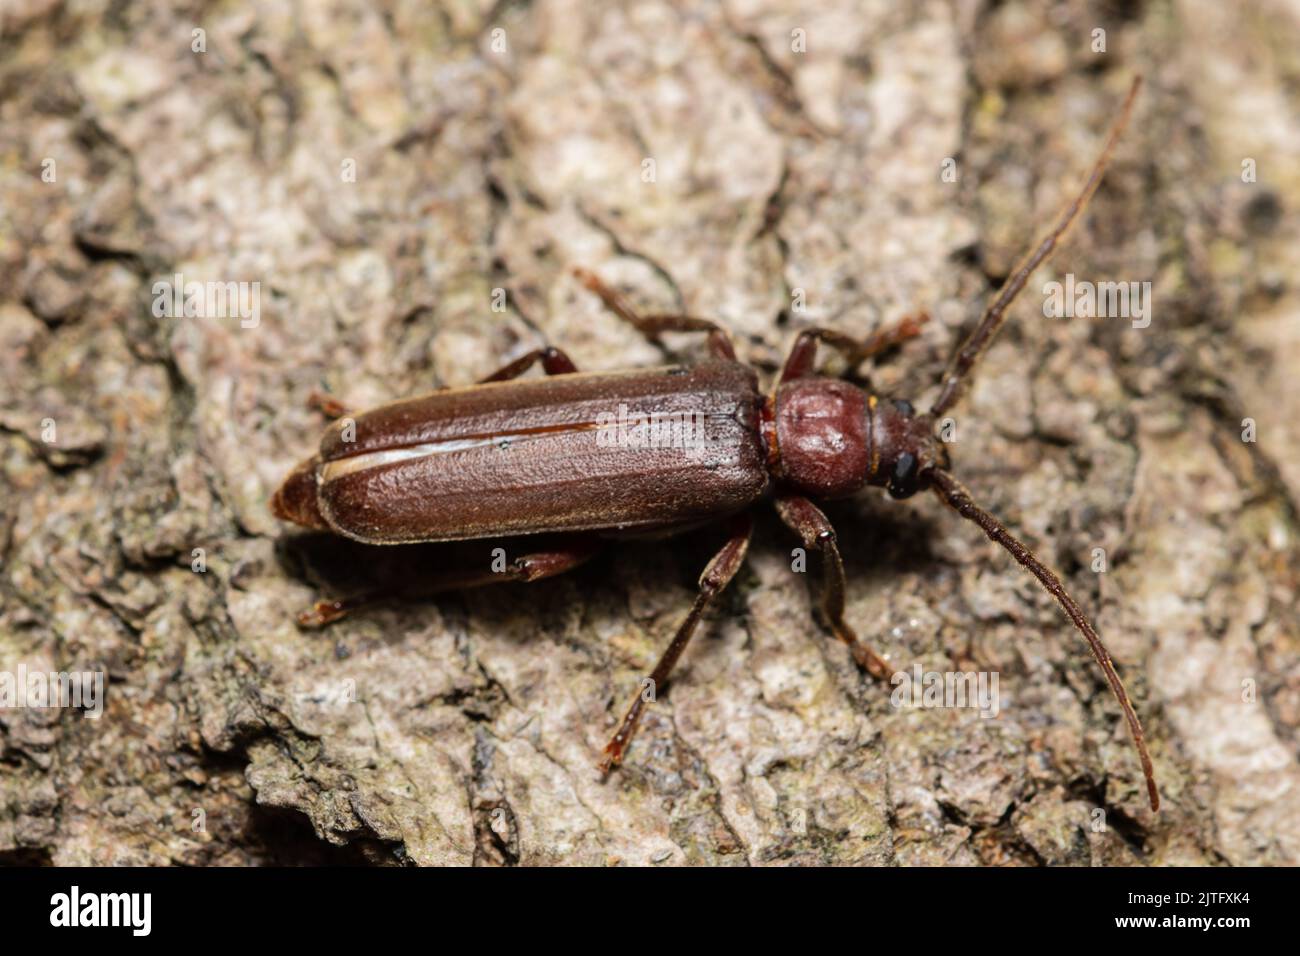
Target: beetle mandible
{"x":526,"y":456}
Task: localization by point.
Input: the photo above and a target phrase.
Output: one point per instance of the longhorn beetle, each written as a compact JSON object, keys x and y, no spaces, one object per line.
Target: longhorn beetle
{"x":525,"y":456}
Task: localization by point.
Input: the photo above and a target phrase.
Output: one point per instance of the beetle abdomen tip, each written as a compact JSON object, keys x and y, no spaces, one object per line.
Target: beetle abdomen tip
{"x":295,"y":499}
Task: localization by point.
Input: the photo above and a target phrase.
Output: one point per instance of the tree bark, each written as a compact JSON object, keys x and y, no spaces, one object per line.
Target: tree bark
{"x":383,"y":171}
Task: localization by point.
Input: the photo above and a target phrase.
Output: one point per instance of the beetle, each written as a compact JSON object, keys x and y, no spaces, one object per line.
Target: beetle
{"x":548,"y":455}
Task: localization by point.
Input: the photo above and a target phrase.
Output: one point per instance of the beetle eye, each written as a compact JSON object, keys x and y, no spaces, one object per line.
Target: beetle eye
{"x":902,"y":483}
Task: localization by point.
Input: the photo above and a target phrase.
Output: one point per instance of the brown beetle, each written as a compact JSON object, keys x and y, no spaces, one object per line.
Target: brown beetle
{"x":578,"y":454}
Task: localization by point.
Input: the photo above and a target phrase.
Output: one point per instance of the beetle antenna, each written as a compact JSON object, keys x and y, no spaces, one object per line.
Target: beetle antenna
{"x":956,"y":497}
{"x":957,"y":376}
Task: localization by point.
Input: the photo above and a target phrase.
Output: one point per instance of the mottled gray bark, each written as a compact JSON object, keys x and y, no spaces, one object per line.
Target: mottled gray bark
{"x":798,"y":177}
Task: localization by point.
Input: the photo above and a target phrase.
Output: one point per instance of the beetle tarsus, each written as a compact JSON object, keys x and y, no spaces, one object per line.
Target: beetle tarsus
{"x":326,"y":404}
{"x":323,"y":613}
{"x":612,"y":757}
{"x":866,"y":658}
{"x":908,"y":327}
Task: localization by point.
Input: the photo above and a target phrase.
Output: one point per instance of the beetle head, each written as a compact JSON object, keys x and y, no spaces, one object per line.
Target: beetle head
{"x":904,"y":448}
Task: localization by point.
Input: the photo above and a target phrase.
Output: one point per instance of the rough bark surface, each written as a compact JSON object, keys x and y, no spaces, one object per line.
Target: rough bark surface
{"x":789,"y":188}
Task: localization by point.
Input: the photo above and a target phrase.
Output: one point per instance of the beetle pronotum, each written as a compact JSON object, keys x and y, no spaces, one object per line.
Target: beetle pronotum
{"x":525,"y":456}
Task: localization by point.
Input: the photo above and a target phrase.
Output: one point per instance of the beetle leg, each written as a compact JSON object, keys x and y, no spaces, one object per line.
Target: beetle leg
{"x":803,"y":354}
{"x":717,"y":574}
{"x":326,"y":404}
{"x":528,"y":567}
{"x":554,"y":362}
{"x":652,"y":326}
{"x":807,"y":520}
{"x":327,"y":612}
